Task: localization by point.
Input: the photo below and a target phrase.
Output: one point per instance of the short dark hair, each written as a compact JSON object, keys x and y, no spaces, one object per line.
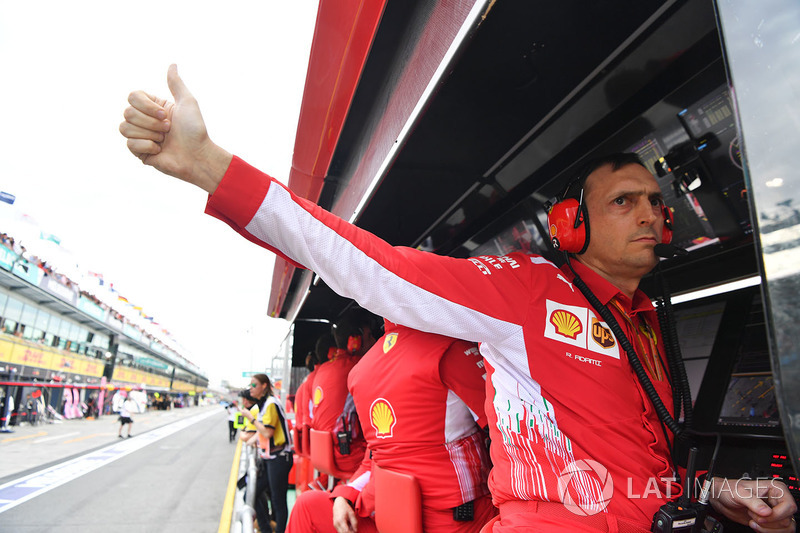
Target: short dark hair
{"x":324,"y":343}
{"x":244,"y":394}
{"x":352,"y":324}
{"x":616,"y":160}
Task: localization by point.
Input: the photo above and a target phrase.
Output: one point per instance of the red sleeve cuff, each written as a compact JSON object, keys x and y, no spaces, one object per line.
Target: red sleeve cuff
{"x":239,"y":194}
{"x":347,"y":492}
{"x":237,"y":199}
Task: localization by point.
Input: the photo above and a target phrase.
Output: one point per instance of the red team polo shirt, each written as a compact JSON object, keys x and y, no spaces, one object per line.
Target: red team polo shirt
{"x":560,"y":392}
{"x":418,"y":397}
{"x":301,"y":398}
{"x":328,"y":394}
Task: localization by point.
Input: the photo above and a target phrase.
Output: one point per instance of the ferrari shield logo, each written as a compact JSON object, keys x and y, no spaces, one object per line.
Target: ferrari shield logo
{"x":389,"y":341}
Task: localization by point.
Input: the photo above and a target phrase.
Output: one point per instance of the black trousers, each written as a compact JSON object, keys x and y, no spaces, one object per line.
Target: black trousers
{"x":274,"y":475}
{"x":231,"y":431}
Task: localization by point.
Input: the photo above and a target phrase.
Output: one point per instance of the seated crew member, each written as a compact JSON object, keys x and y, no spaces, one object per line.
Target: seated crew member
{"x":302,"y":396}
{"x":433,"y":434}
{"x":301,"y":420}
{"x":356,"y":331}
{"x":329,"y":393}
{"x":558,"y":397}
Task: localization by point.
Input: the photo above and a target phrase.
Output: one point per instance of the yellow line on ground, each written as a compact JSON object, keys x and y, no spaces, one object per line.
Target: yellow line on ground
{"x":87,"y":437}
{"x":12,"y":439}
{"x":227,"y":508}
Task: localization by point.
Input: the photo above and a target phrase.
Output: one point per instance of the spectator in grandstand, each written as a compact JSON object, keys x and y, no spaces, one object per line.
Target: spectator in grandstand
{"x":233,"y":410}
{"x":434,"y":434}
{"x":125,"y":417}
{"x":560,"y":398}
{"x":275,"y":450}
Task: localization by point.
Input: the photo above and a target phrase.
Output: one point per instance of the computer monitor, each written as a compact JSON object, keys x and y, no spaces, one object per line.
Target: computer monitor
{"x":724,"y":344}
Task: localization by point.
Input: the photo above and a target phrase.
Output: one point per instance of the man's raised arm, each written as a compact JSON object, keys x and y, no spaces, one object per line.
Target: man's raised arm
{"x":480,"y":299}
{"x":172,"y":136}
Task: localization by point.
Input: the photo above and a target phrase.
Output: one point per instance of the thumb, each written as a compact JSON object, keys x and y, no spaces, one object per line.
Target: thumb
{"x":757,"y":507}
{"x":176,"y":86}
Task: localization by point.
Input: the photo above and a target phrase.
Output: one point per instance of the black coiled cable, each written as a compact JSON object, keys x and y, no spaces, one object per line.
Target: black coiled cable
{"x":670,"y":335}
{"x":644,"y":379}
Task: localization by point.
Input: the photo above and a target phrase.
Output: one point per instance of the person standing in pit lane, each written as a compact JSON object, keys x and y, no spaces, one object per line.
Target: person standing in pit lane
{"x":275,"y":450}
{"x":125,"y":416}
{"x":233,"y":411}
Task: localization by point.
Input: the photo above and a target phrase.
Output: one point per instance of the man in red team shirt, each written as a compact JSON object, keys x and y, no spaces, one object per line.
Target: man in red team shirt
{"x":303,"y":394}
{"x":560,"y":397}
{"x":329,"y":394}
{"x":356,"y":331}
{"x":420,"y":399}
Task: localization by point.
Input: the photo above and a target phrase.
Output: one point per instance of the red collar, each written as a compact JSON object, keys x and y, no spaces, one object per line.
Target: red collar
{"x":336,"y":353}
{"x":605,"y":290}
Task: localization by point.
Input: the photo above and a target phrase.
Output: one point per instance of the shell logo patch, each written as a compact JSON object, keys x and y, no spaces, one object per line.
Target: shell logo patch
{"x":553,"y":230}
{"x":389,"y":341}
{"x":566,"y":323}
{"x":575,"y":325}
{"x":602,"y":335}
{"x":317,"y":395}
{"x":382,"y":418}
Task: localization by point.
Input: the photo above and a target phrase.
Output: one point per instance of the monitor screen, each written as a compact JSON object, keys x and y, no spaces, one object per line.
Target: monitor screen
{"x":750,"y":401}
{"x":723,"y":341}
{"x":750,"y":394}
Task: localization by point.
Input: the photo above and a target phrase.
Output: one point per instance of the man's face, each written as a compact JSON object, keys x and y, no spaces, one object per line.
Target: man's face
{"x":626,"y":222}
{"x":367,"y":340}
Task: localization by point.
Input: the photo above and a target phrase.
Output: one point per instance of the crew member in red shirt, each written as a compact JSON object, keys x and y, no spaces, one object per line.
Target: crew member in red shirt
{"x":329,"y":393}
{"x":356,"y":331}
{"x":302,"y":395}
{"x":565,"y":399}
{"x":420,"y":399}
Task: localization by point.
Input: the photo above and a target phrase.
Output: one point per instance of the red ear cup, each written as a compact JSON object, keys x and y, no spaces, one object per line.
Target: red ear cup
{"x":563,"y":233}
{"x":354,"y":343}
{"x":666,"y":232}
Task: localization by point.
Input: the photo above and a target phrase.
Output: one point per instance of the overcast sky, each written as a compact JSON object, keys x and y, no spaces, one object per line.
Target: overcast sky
{"x":67,"y":69}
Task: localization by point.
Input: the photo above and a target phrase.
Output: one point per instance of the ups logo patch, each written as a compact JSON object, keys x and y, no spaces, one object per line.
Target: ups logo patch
{"x":602,"y":335}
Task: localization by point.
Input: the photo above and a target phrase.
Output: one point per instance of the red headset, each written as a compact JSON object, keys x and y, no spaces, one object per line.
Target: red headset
{"x":568,"y":223}
{"x":354,"y":343}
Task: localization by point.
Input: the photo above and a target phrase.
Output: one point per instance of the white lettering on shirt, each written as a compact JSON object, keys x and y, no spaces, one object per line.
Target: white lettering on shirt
{"x":483,"y":268}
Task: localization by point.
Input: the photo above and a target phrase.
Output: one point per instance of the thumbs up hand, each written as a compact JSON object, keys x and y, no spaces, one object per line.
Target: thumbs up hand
{"x":172,"y":136}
